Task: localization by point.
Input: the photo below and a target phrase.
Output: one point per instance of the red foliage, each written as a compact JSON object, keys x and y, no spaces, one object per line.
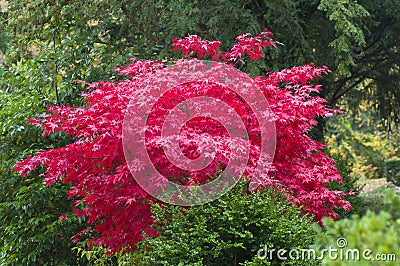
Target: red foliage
{"x":246,"y":45}
{"x":95,"y":166}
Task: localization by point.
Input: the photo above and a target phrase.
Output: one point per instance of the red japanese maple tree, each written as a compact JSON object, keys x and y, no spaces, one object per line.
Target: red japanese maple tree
{"x":96,"y":168}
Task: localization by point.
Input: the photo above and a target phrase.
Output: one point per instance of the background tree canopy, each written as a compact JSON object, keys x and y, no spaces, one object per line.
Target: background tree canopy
{"x":357,"y":40}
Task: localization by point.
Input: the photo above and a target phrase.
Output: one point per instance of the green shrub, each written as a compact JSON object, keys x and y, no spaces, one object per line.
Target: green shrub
{"x":392,"y":167}
{"x":31,"y":232}
{"x":376,"y":234}
{"x":228,"y":231}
